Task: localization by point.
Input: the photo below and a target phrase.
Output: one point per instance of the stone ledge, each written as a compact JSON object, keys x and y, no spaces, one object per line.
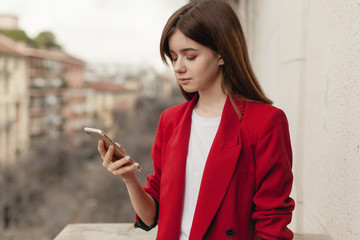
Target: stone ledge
{"x":108,"y":231}
{"x":122,"y":231}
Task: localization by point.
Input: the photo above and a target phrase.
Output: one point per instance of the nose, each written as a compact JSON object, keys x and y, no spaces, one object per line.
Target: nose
{"x":179,"y":66}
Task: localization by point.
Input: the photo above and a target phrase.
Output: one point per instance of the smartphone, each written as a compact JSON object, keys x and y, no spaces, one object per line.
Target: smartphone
{"x":98,"y":134}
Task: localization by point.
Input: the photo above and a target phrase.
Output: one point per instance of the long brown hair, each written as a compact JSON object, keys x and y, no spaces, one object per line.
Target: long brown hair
{"x":214,"y":24}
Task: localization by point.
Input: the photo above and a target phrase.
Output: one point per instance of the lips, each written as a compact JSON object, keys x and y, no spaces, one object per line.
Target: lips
{"x":184,"y":80}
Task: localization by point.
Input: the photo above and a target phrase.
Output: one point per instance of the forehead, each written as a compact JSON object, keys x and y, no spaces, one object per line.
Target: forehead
{"x":178,"y":41}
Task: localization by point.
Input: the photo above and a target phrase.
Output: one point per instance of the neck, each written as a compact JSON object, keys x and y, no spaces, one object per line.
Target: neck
{"x":210,"y":105}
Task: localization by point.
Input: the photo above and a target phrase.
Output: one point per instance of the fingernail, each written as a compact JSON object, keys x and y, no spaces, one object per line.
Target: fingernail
{"x":127,"y":158}
{"x":136,"y":164}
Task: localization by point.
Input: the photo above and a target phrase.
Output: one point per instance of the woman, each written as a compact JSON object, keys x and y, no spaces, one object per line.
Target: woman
{"x":222,"y":160}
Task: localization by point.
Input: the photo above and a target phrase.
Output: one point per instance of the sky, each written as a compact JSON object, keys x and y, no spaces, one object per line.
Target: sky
{"x":99,"y":31}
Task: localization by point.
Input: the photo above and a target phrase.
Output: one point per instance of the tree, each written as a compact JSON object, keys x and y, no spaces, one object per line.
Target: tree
{"x":47,"y":40}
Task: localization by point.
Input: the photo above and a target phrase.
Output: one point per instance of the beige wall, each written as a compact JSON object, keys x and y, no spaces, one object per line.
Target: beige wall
{"x":13,"y":107}
{"x":307,"y":55}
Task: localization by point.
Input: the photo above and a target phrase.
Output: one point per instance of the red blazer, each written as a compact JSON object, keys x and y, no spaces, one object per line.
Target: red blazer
{"x":244,"y":193}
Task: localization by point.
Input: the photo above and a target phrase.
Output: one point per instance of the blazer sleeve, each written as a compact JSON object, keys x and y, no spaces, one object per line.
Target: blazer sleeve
{"x":273,"y":158}
{"x":153,"y":180}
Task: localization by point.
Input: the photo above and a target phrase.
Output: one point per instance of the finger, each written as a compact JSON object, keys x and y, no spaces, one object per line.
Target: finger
{"x":107,"y":159}
{"x":120,"y":163}
{"x":101,"y":148}
{"x":126,"y":169}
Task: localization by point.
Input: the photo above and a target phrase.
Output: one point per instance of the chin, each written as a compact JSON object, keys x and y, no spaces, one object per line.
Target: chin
{"x":188,"y":89}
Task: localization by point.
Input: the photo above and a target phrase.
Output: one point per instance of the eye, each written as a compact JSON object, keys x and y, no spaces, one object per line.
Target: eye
{"x":191,"y":58}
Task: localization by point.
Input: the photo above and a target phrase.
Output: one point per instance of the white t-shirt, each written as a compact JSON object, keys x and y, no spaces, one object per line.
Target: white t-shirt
{"x":203,"y":131}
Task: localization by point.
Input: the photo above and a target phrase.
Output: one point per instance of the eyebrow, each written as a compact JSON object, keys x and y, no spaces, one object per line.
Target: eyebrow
{"x":186,"y":50}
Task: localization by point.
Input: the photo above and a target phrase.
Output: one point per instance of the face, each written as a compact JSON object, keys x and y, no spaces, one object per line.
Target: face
{"x":197,"y":67}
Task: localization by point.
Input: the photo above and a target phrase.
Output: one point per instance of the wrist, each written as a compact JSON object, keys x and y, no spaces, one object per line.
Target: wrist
{"x":129,"y":178}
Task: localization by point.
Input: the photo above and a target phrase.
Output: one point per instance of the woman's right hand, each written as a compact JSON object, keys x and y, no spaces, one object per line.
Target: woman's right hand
{"x":144,"y":205}
{"x":118,"y":167}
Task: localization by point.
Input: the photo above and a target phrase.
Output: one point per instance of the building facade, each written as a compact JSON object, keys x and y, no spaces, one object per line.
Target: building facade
{"x":59,"y":100}
{"x":46,"y":86}
{"x":53,"y":95}
{"x":14,"y":137}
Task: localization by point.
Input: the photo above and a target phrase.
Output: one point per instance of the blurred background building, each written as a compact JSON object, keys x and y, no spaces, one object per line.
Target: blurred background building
{"x":55,"y":77}
{"x":46,"y":91}
{"x":37,"y":86}
{"x":47,"y":97}
{"x":14,"y":137}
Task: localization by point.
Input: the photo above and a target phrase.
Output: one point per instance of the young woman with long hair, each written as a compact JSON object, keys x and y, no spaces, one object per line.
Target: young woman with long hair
{"x":222,"y":160}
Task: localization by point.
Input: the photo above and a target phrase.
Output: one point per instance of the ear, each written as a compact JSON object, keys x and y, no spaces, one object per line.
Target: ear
{"x":221,"y":61}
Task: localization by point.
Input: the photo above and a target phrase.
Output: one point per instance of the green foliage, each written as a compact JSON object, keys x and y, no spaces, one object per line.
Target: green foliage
{"x":20,"y":36}
{"x":45,"y":39}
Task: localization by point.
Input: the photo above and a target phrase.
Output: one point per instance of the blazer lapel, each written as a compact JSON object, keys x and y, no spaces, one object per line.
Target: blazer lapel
{"x":174,"y":176}
{"x":219,"y":169}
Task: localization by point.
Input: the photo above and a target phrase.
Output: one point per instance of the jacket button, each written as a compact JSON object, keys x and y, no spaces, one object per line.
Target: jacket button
{"x":230,"y":232}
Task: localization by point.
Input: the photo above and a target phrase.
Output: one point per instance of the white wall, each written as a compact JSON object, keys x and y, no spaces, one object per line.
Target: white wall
{"x":306,"y":54}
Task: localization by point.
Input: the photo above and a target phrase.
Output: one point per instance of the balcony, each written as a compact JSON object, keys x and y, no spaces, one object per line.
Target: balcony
{"x":122,"y":231}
